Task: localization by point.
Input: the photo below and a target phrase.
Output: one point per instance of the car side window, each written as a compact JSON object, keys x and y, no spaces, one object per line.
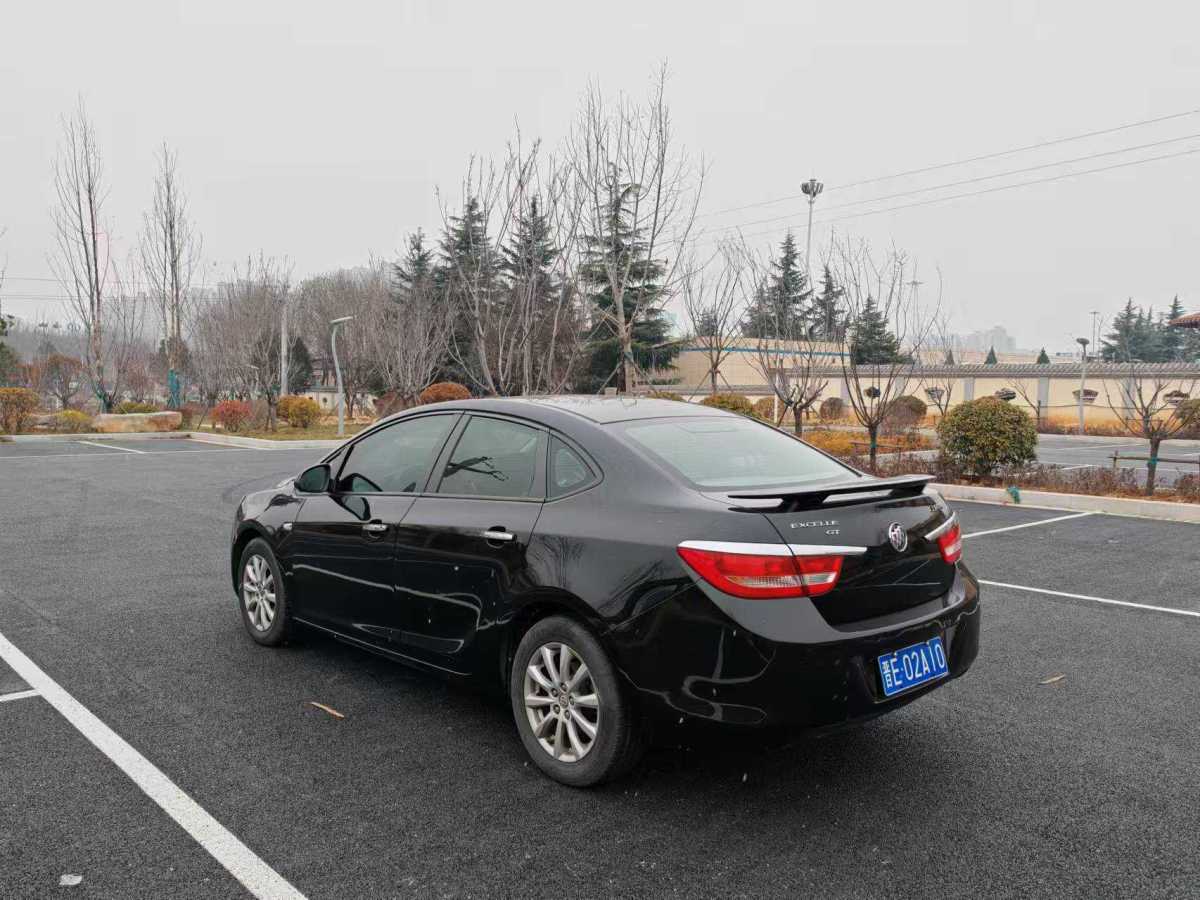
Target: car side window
{"x":494,"y":458}
{"x":568,"y":471}
{"x":396,"y":459}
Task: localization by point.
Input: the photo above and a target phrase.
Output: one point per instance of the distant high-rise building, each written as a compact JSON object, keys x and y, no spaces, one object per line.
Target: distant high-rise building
{"x":994,"y":337}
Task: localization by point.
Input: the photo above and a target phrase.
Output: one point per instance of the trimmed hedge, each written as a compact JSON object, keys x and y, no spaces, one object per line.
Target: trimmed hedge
{"x":983,"y":435}
{"x":135,"y":406}
{"x":732,"y":402}
{"x":232,"y":415}
{"x":299,"y":412}
{"x":71,"y":421}
{"x":17,"y":406}
{"x":443,"y":391}
{"x":831,"y":409}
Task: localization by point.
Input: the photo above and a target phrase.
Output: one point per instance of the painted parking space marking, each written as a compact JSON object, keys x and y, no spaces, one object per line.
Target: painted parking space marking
{"x":1125,"y":603}
{"x":4,"y":457}
{"x":17,"y":695}
{"x":1030,"y":524}
{"x":110,"y":446}
{"x":239,"y":860}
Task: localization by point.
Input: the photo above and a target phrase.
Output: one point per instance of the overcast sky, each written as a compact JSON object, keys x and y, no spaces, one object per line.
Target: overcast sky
{"x":320,"y":130}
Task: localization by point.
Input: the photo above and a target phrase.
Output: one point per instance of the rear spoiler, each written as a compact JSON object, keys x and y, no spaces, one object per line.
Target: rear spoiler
{"x":808,"y":498}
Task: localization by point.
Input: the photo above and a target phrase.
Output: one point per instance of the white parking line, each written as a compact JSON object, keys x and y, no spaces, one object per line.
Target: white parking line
{"x":142,"y":452}
{"x":242,"y":863}
{"x":1165,"y":609}
{"x":109,"y":446}
{"x":1029,"y":524}
{"x":17,"y":695}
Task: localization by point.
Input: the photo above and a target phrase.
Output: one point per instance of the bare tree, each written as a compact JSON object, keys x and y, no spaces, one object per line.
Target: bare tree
{"x":937,"y":376}
{"x":254,"y":299}
{"x":170,"y":251}
{"x":61,"y":378}
{"x":410,"y":336}
{"x":639,"y":193}
{"x":1149,"y":406}
{"x":348,"y":292}
{"x":212,"y":341}
{"x":82,"y":261}
{"x":714,"y":298}
{"x":885,"y":334}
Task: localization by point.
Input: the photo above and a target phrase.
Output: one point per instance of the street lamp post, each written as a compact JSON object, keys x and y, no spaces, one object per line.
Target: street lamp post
{"x":338,"y":371}
{"x":1083,"y":343}
{"x":811,"y":189}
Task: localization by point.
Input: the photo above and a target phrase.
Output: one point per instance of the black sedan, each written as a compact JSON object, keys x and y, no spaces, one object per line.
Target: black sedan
{"x":620,"y":566}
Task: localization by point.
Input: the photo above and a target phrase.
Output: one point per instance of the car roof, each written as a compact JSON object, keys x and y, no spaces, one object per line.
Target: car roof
{"x":602,"y":410}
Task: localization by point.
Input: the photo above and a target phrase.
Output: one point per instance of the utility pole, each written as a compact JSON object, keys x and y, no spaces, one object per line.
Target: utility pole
{"x":341,"y":395}
{"x":283,"y":349}
{"x":1095,"y":328}
{"x":1083,"y":343}
{"x":811,"y":189}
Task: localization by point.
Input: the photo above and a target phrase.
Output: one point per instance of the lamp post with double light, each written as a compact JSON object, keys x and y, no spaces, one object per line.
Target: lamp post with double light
{"x":341,"y":397}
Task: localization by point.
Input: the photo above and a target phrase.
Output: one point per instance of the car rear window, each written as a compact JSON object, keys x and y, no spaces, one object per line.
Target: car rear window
{"x":733,"y":452}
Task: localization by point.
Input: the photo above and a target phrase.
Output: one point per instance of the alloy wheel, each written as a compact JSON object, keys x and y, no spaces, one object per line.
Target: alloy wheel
{"x":561,"y":702}
{"x":258,"y":592}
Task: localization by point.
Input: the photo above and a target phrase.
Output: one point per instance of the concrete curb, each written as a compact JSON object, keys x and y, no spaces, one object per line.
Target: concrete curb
{"x":204,"y":437}
{"x":1113,"y":506}
{"x":234,"y":440}
{"x":100,"y":436}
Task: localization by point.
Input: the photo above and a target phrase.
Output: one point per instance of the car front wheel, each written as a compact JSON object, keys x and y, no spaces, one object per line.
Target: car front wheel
{"x":261,"y":595}
{"x":569,"y":706}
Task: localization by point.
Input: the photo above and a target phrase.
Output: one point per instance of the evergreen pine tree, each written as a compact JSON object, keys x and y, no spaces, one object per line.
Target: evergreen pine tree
{"x":991,"y":357}
{"x":827,"y":317}
{"x":623,"y":249}
{"x":1171,"y":341}
{"x":467,"y":264}
{"x":949,"y":360}
{"x":1043,"y":359}
{"x":779,"y":308}
{"x":416,"y":270}
{"x":529,"y":255}
{"x":1132,"y":338}
{"x":871,"y":339}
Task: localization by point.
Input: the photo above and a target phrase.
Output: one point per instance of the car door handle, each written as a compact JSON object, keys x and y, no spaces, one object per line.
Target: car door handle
{"x":498,"y":534}
{"x":375,"y":527}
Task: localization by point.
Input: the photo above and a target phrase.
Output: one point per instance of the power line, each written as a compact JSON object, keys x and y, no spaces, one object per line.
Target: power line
{"x":963,"y":162}
{"x":992,"y":190}
{"x":976,"y":179}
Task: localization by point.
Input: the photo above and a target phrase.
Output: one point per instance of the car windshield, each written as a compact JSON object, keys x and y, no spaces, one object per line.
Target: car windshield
{"x":733,"y":452}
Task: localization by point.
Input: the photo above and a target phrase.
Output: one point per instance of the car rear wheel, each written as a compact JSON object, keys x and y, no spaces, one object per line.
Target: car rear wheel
{"x":261,"y":595}
{"x":570,"y":709}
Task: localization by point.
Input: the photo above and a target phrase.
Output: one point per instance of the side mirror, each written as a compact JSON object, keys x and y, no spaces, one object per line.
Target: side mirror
{"x":314,"y":480}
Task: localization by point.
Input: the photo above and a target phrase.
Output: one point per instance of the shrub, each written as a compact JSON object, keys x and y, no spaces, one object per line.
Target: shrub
{"x":666,"y":395}
{"x":299,"y":412}
{"x":980,"y":436}
{"x":232,"y":415}
{"x":903,"y":413}
{"x":71,"y":421}
{"x":765,"y":409}
{"x":192,"y":414}
{"x":388,"y":403}
{"x":443,"y":391}
{"x":732,"y":402}
{"x":136,"y":406}
{"x":1189,"y":412}
{"x":832,"y":409}
{"x":16,"y":408}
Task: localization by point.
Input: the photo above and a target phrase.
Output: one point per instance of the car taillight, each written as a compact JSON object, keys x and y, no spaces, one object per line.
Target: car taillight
{"x":764,"y":576}
{"x":950,"y":543}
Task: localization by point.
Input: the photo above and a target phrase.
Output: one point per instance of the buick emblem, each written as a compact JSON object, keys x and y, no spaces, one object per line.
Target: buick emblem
{"x":898,"y":536}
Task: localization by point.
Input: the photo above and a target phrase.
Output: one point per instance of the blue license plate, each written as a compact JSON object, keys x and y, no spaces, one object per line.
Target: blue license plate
{"x":904,"y":669}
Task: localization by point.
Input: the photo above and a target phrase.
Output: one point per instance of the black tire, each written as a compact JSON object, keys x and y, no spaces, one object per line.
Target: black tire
{"x":616,"y":746}
{"x":280,"y":624}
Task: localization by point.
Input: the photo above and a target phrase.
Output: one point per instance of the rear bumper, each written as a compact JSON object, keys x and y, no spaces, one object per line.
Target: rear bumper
{"x":687,"y":661}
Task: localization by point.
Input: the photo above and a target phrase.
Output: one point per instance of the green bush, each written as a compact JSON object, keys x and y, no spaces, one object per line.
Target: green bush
{"x":443,"y":391}
{"x":136,"y":406}
{"x":732,"y":402}
{"x":16,"y":408}
{"x":71,"y":421}
{"x":983,"y":435}
{"x":831,"y":409}
{"x":299,"y":412}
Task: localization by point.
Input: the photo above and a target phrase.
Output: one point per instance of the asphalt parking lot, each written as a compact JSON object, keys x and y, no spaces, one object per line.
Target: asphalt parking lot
{"x":1065,"y":764}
